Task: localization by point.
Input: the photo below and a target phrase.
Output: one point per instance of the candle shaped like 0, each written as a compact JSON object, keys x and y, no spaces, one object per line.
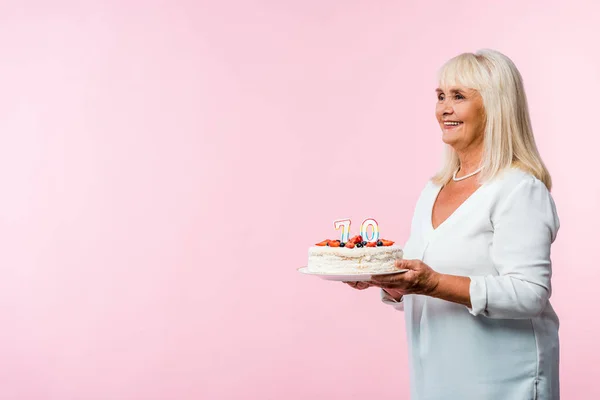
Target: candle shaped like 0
{"x":374,"y":232}
{"x":345,"y":225}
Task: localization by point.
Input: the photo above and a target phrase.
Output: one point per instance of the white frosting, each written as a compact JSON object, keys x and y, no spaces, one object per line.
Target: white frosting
{"x":359,"y":260}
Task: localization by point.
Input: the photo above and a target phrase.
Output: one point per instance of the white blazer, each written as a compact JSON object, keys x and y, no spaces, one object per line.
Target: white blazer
{"x":506,"y":345}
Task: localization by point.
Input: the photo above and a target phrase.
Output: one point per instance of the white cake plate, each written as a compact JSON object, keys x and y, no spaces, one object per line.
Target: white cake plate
{"x":348,"y":277}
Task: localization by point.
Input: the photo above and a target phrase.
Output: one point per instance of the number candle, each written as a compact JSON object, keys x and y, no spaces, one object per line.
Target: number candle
{"x":374,"y":233}
{"x":345,"y":225}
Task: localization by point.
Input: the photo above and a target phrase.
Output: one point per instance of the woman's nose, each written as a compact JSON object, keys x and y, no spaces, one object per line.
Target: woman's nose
{"x":447,"y":108}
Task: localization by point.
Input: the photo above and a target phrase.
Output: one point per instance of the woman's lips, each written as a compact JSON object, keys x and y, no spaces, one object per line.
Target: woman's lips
{"x":450,"y":127}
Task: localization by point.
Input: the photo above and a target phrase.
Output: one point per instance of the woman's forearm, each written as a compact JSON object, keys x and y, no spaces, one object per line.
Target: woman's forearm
{"x":452,"y":288}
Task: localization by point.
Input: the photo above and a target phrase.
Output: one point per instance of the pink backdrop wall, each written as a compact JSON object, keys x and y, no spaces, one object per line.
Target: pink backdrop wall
{"x":165,"y":165}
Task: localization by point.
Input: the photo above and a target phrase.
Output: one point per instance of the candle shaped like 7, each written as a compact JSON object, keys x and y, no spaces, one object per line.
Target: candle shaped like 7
{"x":374,"y":232}
{"x":345,"y":225}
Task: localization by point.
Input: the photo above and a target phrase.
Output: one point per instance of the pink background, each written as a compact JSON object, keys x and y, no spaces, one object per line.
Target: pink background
{"x":165,"y":165}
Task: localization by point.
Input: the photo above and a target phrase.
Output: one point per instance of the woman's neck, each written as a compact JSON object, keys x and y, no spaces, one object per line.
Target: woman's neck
{"x":469,"y":162}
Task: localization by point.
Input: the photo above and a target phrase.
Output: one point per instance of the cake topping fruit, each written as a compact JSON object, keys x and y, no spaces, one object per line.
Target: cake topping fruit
{"x":356,"y":241}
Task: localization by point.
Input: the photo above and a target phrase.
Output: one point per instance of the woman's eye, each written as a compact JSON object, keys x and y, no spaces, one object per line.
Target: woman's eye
{"x":459,"y":96}
{"x":440,"y":97}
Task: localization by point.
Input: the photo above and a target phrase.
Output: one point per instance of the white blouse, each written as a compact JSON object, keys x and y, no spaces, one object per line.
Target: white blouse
{"x":506,"y":346}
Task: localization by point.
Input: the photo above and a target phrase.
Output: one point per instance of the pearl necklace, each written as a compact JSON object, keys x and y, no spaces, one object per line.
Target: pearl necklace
{"x":455,"y":179}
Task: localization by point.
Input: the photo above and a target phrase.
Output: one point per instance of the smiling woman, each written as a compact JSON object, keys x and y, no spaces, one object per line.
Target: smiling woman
{"x":485,"y":92}
{"x":461,"y":116}
{"x":476,"y":293}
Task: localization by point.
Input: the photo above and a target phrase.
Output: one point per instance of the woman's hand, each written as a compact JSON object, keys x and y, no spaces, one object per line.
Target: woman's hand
{"x":359,"y":285}
{"x":419,"y":279}
{"x":396,"y":294}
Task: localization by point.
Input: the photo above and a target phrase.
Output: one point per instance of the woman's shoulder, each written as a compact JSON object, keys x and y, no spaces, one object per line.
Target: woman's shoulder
{"x":511,"y":179}
{"x":430,"y":187}
{"x":424,"y":195}
{"x":513,"y":185}
{"x":521,"y":196}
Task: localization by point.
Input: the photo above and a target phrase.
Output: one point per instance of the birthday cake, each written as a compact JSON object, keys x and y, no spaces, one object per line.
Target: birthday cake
{"x":356,"y":256}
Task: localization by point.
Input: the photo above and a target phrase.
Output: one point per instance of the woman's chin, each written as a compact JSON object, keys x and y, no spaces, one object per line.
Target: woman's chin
{"x":449,"y":138}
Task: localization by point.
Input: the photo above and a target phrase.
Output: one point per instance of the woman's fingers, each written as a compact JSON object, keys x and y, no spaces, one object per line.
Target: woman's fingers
{"x":362,"y":285}
{"x":392,"y":281}
{"x":382,"y":281}
{"x":406,"y":264}
{"x":358,"y":285}
{"x":416,"y":280}
{"x":389,"y":278}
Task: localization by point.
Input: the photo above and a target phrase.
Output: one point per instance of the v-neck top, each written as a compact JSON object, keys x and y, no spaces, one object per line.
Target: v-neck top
{"x":506,"y":345}
{"x":438,"y":189}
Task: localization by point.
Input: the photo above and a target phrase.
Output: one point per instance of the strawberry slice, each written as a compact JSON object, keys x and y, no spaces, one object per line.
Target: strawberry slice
{"x":334,"y":243}
{"x":350,"y":245}
{"x":323,"y":243}
{"x":372,"y":244}
{"x":387,"y":242}
{"x":356,"y":239}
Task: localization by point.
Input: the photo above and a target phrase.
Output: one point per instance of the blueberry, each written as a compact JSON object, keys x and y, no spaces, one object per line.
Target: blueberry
{"x":342,"y":244}
{"x":379,"y":243}
{"x":359,"y":245}
{"x":364,"y":243}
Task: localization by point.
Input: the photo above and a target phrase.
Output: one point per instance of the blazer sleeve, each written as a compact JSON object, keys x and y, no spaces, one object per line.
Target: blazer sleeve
{"x":525,"y":225}
{"x":389,"y":300}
